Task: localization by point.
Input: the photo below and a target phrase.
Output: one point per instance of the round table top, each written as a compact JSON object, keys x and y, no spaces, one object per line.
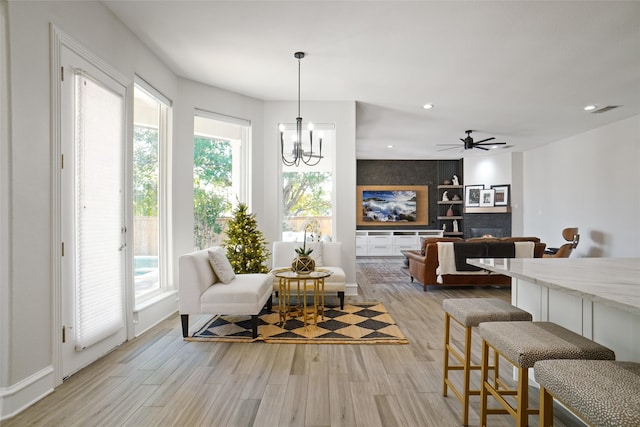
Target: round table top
{"x":290,"y":274}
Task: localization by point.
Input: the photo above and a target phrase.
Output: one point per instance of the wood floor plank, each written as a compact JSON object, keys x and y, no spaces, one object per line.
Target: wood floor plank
{"x":340,"y":401}
{"x":364,"y":405}
{"x":318,"y":406}
{"x":268,"y":413}
{"x":390,"y":411}
{"x":295,"y":401}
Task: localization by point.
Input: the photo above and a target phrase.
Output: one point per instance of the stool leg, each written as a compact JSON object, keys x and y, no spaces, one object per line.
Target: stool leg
{"x":447,"y":325}
{"x":522,"y":412}
{"x":467,"y":375}
{"x":546,"y":408}
{"x":484,"y":375}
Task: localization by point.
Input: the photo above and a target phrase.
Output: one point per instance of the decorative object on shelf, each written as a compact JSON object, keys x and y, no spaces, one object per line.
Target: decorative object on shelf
{"x":455,"y":226}
{"x":446,"y":182}
{"x":450,"y":211}
{"x":472,"y":194}
{"x":303,"y":263}
{"x":501,"y":197}
{"x":298,"y":154}
{"x":455,"y":197}
{"x":444,"y":227}
{"x":455,"y":180}
{"x":486,"y":198}
{"x":445,"y":196}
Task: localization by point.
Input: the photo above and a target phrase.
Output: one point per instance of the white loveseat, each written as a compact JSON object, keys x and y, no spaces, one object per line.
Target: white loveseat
{"x":201,"y":292}
{"x":327,"y":255}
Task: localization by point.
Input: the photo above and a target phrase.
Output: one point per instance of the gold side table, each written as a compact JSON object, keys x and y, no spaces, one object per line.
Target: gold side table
{"x":300,"y":283}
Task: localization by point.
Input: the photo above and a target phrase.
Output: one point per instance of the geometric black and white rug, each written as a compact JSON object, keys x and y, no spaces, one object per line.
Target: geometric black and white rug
{"x":357,"y":323}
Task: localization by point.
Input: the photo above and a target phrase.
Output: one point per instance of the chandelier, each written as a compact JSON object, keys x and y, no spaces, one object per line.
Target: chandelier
{"x":298,"y":154}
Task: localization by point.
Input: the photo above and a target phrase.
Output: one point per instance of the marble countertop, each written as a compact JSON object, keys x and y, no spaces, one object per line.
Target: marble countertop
{"x":611,"y":281}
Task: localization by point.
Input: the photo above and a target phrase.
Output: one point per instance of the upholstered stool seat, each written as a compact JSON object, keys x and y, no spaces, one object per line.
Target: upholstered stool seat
{"x":523,"y":344}
{"x":469,"y":313}
{"x":602,"y":392}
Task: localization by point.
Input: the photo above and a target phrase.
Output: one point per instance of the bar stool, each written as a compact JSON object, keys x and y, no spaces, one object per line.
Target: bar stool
{"x":601,"y":392}
{"x":523,"y":344}
{"x":468,"y":313}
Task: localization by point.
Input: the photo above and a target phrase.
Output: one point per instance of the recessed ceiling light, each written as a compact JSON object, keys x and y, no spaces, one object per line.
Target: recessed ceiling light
{"x":427,"y":106}
{"x":590,"y":107}
{"x":389,"y":146}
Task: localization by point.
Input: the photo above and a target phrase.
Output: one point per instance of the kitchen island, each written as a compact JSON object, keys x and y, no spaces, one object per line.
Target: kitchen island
{"x":598,"y":298}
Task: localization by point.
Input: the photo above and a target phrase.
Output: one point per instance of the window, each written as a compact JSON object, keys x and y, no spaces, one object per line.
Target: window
{"x":307,"y":194}
{"x":219,"y":174}
{"x":150,"y":119}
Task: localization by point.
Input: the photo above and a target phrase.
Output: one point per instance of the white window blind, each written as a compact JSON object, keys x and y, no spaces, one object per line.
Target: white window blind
{"x":99,"y":261}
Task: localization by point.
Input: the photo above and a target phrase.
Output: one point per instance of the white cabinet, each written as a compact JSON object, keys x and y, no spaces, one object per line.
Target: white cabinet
{"x":390,"y":242}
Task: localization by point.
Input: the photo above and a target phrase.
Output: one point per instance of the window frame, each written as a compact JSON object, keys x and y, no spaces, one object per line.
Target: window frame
{"x":165,"y":266}
{"x":243,"y":151}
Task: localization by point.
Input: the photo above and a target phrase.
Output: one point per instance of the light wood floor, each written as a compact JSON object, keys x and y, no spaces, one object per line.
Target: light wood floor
{"x":158,"y":379}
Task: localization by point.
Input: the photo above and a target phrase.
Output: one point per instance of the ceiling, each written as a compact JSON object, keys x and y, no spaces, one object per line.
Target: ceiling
{"x":519,"y":71}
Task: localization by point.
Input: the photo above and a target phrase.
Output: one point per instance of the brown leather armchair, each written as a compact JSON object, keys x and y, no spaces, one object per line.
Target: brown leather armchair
{"x":572,"y":237}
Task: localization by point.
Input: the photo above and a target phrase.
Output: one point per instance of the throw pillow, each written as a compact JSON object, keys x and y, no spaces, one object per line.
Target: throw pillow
{"x":317,"y":252}
{"x":221,"y":265}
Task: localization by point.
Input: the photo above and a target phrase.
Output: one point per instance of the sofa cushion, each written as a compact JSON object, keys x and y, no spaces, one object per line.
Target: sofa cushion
{"x":221,"y":265}
{"x":521,"y":239}
{"x":427,"y":240}
{"x":246,"y":294}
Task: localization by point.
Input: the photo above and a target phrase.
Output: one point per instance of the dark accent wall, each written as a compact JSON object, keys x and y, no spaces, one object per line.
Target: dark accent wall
{"x":405,"y":172}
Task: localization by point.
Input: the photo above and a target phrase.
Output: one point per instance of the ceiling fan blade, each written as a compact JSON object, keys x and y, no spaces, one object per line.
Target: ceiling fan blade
{"x":462,"y":139}
{"x":448,"y":145}
{"x":492,"y":143}
{"x":451,"y":148}
{"x":484,"y":140}
{"x":480,"y":147}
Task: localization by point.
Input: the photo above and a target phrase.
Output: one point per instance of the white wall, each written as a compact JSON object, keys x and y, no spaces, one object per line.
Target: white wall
{"x":497,"y":169}
{"x":342,"y":113}
{"x":589,"y":181}
{"x":27,"y":205}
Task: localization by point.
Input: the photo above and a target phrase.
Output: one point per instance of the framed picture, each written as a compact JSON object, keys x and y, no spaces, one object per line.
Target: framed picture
{"x":472,"y":195}
{"x":487,"y":197}
{"x":501,"y":197}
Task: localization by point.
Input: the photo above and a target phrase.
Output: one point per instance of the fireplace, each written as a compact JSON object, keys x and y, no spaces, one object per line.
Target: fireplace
{"x":487,"y":232}
{"x":495,"y":224}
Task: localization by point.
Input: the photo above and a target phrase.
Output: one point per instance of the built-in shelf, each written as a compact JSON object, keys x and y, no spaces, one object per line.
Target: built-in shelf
{"x":390,"y":242}
{"x":449,"y":217}
{"x":452,"y":233}
{"x":493,"y":209}
{"x":449,"y":202}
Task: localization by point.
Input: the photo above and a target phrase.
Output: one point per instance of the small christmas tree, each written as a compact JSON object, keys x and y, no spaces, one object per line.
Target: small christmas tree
{"x":245,"y":244}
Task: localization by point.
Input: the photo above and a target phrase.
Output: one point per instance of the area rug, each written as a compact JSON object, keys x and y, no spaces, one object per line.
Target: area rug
{"x":358,"y":323}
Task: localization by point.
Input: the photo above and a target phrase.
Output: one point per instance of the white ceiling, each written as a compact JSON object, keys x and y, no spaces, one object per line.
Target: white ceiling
{"x":519,"y":71}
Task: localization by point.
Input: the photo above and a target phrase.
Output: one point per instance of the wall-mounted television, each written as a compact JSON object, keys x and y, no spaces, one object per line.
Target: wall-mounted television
{"x":392,"y":205}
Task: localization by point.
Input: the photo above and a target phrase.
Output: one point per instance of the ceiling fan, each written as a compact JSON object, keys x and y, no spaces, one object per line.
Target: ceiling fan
{"x":469,"y":143}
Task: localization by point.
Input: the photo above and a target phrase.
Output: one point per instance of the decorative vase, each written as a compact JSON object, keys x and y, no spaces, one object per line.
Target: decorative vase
{"x":303,"y":264}
{"x":450,"y":211}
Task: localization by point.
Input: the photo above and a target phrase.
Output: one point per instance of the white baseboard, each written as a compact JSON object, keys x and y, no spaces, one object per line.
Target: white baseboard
{"x":20,"y":396}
